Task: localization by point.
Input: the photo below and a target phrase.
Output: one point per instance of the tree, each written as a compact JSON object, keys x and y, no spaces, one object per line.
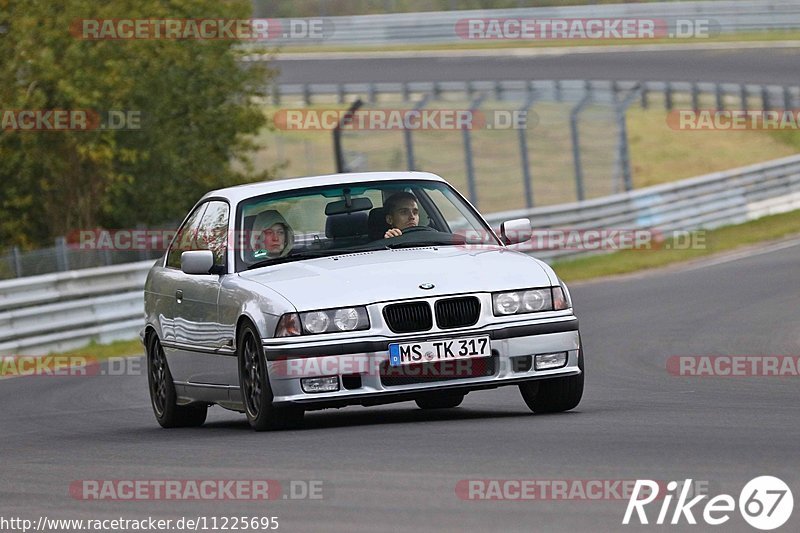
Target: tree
{"x":196,"y":102}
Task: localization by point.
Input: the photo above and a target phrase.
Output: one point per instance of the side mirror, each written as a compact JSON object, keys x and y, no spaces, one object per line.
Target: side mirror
{"x":197,"y":262}
{"x":516,"y":231}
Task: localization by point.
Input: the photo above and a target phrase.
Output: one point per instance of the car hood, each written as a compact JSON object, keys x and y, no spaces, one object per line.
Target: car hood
{"x":366,"y":277}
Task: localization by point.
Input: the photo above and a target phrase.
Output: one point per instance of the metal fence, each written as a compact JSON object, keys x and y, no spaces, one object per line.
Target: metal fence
{"x":441,"y":26}
{"x":572,"y":146}
{"x":67,"y":310}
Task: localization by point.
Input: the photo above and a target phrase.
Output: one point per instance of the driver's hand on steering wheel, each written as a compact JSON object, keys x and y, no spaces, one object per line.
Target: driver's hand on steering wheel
{"x":392,"y":232}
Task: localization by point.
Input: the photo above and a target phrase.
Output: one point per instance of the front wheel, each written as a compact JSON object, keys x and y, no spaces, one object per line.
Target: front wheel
{"x":557,"y":394}
{"x":162,"y":392}
{"x":257,"y":396}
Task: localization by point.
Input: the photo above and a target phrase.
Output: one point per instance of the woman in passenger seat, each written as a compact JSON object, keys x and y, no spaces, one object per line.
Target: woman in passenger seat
{"x":271,"y":236}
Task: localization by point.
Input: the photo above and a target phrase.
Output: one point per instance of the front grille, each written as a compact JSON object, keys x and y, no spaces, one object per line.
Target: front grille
{"x":408,"y":317}
{"x":457,"y":312}
{"x":393,"y":376}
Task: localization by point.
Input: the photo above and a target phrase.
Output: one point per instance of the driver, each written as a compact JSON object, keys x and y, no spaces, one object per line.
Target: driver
{"x":402,"y":212}
{"x":271,"y":236}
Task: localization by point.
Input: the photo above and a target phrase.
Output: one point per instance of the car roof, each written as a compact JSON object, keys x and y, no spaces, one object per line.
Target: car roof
{"x":238,"y":193}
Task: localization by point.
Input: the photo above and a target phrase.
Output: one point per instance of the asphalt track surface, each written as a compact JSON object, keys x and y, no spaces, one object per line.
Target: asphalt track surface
{"x":756,"y":66}
{"x":395,"y":468}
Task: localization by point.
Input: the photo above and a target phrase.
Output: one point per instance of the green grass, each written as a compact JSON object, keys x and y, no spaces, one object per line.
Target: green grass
{"x":107,"y":351}
{"x":755,"y":36}
{"x":717,"y":240}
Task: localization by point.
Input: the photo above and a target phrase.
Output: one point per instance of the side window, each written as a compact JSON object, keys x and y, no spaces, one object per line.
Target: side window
{"x":186,"y":237}
{"x":213,"y":232}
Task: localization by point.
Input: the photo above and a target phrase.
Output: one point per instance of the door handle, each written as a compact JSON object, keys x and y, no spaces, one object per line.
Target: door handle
{"x":179,"y":295}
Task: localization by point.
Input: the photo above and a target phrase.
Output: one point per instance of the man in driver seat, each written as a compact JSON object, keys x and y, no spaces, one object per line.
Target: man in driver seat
{"x":402,"y":212}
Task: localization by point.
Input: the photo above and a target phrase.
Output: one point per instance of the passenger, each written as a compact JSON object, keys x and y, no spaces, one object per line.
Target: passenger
{"x":402,"y":212}
{"x":271,"y":236}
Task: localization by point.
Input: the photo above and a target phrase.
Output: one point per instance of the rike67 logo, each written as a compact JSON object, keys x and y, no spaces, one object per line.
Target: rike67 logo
{"x":765,"y":503}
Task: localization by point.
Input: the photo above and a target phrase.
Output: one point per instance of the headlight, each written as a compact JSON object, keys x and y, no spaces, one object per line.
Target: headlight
{"x":335,"y":320}
{"x":529,"y":301}
{"x":346,"y":319}
{"x":506,"y":303}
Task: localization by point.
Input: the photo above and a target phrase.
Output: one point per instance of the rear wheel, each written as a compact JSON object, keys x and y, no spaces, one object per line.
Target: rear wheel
{"x":162,"y":392}
{"x":557,"y":394}
{"x":440,"y":402}
{"x":256,"y":392}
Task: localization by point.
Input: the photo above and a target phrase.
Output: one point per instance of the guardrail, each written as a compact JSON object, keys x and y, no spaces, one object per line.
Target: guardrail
{"x":440,"y":26}
{"x":709,"y":201}
{"x":67,"y":310}
{"x":57,"y":312}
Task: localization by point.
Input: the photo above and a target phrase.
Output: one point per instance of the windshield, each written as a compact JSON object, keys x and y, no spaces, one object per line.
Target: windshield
{"x":323,"y":221}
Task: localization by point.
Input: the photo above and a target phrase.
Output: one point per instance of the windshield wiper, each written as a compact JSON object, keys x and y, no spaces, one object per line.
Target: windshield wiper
{"x":299,"y":256}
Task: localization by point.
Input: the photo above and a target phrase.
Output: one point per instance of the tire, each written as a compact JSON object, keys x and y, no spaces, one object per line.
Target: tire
{"x":440,"y":402}
{"x":555,"y":395}
{"x":256,"y":392}
{"x":163,"y":397}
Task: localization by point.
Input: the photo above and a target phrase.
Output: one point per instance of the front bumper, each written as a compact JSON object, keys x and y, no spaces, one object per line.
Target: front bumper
{"x":361,"y":366}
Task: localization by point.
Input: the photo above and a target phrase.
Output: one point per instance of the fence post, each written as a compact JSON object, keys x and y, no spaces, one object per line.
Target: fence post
{"x":406,"y":92}
{"x":410,"y":161}
{"x":764,"y":98}
{"x":62,"y":259}
{"x":576,"y":148}
{"x":787,"y":98}
{"x":371,"y":93}
{"x":17,"y":260}
{"x":695,"y":97}
{"x":624,"y":152}
{"x":522,"y":131}
{"x":140,"y":229}
{"x":465,"y":135}
{"x":276,"y":94}
{"x":743,"y":95}
{"x":719,"y":97}
{"x":340,"y":93}
{"x":306,"y":94}
{"x":668,"y":96}
{"x":644,"y":101}
{"x":337,"y":136}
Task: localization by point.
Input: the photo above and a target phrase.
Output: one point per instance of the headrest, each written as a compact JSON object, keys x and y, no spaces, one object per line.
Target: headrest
{"x":346,"y":225}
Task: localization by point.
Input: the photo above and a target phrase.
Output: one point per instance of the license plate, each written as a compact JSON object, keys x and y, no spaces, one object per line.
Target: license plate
{"x":409,"y":353}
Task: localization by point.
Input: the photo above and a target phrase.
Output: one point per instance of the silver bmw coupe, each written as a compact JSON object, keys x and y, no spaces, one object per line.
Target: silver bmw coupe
{"x":280,"y":297}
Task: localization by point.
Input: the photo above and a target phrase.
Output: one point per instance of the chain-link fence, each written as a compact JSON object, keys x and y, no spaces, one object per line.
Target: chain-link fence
{"x":64,"y":256}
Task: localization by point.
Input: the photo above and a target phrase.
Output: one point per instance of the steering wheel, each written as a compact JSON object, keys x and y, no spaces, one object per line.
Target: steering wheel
{"x":414,"y":229}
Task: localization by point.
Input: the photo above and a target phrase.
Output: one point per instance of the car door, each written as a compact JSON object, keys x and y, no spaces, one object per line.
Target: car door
{"x":166,"y":280}
{"x":198,"y":336}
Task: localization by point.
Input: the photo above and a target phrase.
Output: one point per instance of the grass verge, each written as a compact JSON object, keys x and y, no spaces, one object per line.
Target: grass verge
{"x":716,"y":241}
{"x":745,"y":37}
{"x":58,"y":363}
